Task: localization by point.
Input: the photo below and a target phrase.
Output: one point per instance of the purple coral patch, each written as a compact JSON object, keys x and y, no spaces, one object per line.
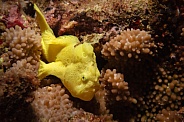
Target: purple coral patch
{"x":14,"y":18}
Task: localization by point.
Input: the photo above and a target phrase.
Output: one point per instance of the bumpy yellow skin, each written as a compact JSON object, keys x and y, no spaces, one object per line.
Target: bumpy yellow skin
{"x":72,"y":62}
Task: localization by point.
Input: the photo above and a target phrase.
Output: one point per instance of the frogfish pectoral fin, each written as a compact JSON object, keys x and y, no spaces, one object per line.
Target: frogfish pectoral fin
{"x":42,"y":71}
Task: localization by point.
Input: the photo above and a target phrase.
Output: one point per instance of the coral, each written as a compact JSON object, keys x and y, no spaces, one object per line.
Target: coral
{"x":166,"y":91}
{"x":50,"y":17}
{"x":101,"y":99}
{"x":52,"y":104}
{"x":103,"y":10}
{"x":18,"y":79}
{"x":19,"y":73}
{"x":169,"y":116}
{"x":115,"y":86}
{"x":172,"y":85}
{"x":52,"y":11}
{"x":140,"y":81}
{"x":15,"y":109}
{"x":22,"y":44}
{"x":58,"y":18}
{"x":14,"y":17}
{"x":121,"y":96}
{"x":16,"y":85}
{"x":182,"y":33}
{"x":92,"y":38}
{"x":130,"y":43}
{"x":86,"y":17}
{"x":79,"y":116}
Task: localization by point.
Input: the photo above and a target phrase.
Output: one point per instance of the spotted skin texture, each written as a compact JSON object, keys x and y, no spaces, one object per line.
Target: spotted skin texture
{"x":69,"y":60}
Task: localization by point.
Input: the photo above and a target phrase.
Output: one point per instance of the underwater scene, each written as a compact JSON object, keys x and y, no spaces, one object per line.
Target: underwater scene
{"x":91,"y":60}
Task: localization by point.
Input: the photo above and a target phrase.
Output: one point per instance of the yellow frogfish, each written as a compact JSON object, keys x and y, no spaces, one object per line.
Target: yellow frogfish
{"x":69,"y":60}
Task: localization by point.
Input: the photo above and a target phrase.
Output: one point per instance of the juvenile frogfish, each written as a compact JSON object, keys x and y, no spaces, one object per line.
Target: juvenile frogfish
{"x":69,"y":60}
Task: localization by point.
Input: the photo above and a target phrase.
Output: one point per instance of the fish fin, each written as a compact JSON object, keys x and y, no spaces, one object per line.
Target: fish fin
{"x":46,"y":31}
{"x":42,"y":71}
{"x":56,"y":45}
{"x":54,"y":68}
{"x":64,"y":40}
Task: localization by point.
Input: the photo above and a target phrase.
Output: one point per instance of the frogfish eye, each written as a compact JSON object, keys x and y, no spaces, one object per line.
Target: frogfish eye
{"x":84,"y":79}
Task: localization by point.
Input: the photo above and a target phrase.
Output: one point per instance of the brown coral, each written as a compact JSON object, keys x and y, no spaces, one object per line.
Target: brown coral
{"x":82,"y":116}
{"x":129,"y":43}
{"x":169,"y":116}
{"x":19,"y":79}
{"x":16,"y":85}
{"x":165,"y":93}
{"x":114,"y":85}
{"x":182,"y":33}
{"x":22,"y":44}
{"x":51,"y":103}
{"x":172,"y":86}
{"x":151,"y":88}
